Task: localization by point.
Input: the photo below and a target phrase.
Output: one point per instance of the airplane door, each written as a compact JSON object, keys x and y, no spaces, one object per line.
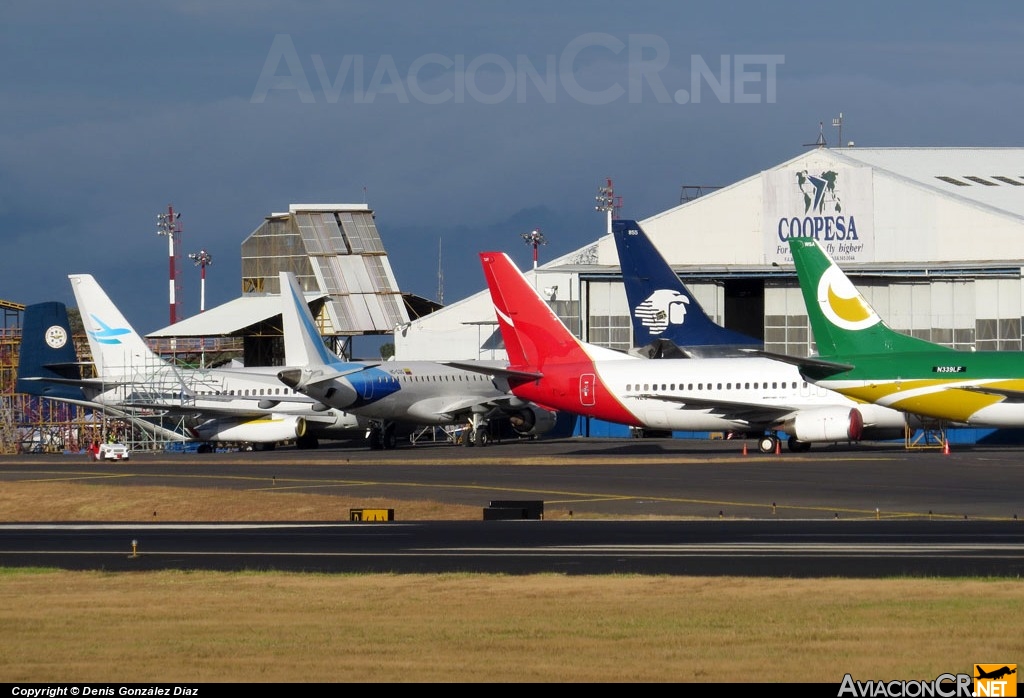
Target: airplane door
{"x":587,"y":386}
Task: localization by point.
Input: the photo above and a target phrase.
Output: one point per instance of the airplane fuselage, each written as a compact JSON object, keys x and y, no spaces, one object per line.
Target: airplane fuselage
{"x":752,"y":393}
{"x":941,"y":385}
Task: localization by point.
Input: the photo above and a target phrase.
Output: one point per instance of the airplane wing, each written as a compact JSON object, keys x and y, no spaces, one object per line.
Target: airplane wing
{"x":493,"y":370}
{"x":753,"y":413}
{"x":149,"y":427}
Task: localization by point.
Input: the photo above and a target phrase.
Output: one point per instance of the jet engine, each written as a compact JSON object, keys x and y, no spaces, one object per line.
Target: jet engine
{"x":531,"y":420}
{"x":257,"y":430}
{"x":826,"y":424}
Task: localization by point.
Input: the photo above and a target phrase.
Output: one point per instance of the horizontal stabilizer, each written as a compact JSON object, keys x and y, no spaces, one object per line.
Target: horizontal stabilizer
{"x":493,"y":370}
{"x":809,"y":367}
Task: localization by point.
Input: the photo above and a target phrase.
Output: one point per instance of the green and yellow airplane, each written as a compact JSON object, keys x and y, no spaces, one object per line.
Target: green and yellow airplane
{"x":861,"y":357}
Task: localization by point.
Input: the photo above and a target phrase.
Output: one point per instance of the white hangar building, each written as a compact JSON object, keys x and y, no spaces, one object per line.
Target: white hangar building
{"x":933,"y":237}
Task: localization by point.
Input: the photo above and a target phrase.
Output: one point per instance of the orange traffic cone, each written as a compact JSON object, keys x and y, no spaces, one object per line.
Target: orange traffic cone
{"x":778,"y":447}
{"x":744,"y":449}
{"x":945,"y":448}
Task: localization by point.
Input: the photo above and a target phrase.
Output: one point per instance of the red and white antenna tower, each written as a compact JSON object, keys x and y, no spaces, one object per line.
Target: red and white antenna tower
{"x":608,"y":202}
{"x":167,"y":224}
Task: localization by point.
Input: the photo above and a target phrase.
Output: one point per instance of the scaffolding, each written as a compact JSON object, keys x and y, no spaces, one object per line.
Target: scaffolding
{"x":34,"y":424}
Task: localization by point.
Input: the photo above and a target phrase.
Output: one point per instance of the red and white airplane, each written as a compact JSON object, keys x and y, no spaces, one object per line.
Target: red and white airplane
{"x":751,"y":395}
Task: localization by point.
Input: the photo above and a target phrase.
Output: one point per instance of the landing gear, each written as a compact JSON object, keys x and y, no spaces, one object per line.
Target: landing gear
{"x":797,"y":446}
{"x":306,"y":442}
{"x":382,"y":436}
{"x":477,"y":432}
{"x":767,"y":443}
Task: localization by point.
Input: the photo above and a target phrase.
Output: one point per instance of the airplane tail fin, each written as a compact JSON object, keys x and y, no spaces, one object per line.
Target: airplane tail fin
{"x":117,"y":349}
{"x":532,"y":333}
{"x":47,"y":354}
{"x":842,"y":321}
{"x":302,"y":343}
{"x":662,"y":308}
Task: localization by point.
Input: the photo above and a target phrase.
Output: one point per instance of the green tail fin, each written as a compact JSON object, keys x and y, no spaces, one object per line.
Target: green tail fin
{"x":842,"y":321}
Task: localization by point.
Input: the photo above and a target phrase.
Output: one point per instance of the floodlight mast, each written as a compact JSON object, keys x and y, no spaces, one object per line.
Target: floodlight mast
{"x":536,"y":239}
{"x":202,"y":259}
{"x":607,"y":202}
{"x":167,"y":224}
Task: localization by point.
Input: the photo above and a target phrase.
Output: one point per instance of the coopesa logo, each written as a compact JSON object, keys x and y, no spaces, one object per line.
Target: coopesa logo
{"x":823,"y":217}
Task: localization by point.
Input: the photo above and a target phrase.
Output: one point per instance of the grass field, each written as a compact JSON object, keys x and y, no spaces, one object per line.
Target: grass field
{"x":270,"y":627}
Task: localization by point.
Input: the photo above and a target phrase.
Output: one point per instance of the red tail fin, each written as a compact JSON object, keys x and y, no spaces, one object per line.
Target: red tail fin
{"x":532,"y":333}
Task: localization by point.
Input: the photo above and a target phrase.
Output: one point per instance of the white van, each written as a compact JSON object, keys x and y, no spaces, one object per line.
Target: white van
{"x":112,"y":452}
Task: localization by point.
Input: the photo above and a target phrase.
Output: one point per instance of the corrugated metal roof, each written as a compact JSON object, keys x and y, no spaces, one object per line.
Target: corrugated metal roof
{"x":230,"y":318}
{"x":989,"y":176}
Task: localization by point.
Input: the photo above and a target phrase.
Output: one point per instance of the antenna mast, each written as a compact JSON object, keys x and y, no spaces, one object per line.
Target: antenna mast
{"x":440,"y":275}
{"x":167,"y":224}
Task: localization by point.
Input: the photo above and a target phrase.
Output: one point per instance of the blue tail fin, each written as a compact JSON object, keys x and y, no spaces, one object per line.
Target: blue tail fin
{"x":47,"y":360}
{"x":667,"y":319}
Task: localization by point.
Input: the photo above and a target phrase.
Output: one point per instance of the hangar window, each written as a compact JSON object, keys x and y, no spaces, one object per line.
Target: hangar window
{"x":1008,"y":180}
{"x":979,"y":180}
{"x":950,"y":180}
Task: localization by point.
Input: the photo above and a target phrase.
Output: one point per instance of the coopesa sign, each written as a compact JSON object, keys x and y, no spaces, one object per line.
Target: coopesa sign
{"x":830,"y":204}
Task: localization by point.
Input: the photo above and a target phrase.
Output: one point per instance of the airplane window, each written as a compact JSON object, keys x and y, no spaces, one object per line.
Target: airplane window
{"x":700,"y":386}
{"x":719,"y":386}
{"x":689,"y":386}
{"x":672,"y":386}
{"x":746,"y":386}
{"x":728,"y":386}
{"x":774,"y":385}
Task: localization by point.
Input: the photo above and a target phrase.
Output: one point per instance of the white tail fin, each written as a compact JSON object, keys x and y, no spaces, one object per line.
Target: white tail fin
{"x":117,"y":349}
{"x":302,"y":343}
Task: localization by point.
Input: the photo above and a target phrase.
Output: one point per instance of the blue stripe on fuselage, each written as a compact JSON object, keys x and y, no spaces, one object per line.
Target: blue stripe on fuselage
{"x":372,"y":385}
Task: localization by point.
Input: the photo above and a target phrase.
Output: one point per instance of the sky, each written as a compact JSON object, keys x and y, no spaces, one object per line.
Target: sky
{"x":463,"y":125}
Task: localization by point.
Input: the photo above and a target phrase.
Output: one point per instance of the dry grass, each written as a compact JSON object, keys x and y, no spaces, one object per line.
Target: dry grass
{"x":271,"y":627}
{"x":206,"y":626}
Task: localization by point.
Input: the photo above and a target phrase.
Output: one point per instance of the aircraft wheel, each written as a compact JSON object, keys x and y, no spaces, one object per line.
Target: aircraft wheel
{"x":481,"y":437}
{"x":388,"y":437}
{"x":766,"y":444}
{"x":468,"y":437}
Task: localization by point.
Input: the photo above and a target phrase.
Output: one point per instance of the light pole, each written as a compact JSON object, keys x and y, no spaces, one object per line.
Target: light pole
{"x":167,"y":224}
{"x":202,"y":258}
{"x":607,"y":202}
{"x":535,"y":238}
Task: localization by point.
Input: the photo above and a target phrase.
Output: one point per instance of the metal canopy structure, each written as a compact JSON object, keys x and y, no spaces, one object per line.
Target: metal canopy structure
{"x":333,"y":249}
